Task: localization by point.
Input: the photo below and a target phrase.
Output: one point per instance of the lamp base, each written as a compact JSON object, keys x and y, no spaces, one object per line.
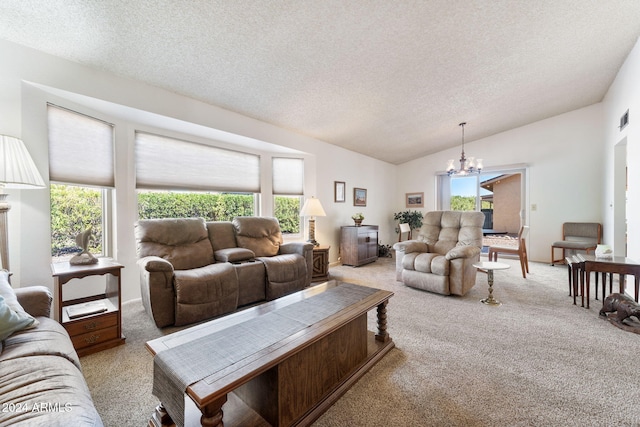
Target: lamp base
{"x":312,"y":232}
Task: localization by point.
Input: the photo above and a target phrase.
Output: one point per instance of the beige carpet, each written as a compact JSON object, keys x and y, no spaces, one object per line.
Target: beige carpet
{"x":537,"y":360}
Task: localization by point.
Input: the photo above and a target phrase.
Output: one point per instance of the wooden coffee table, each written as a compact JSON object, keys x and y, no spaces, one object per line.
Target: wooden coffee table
{"x":289,"y":381}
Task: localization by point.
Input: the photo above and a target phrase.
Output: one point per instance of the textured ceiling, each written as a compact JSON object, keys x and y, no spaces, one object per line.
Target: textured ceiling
{"x":390,"y":79}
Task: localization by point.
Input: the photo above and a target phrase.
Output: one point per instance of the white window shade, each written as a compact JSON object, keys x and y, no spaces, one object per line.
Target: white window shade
{"x":80,"y":148}
{"x":173,"y":164}
{"x":288,"y":176}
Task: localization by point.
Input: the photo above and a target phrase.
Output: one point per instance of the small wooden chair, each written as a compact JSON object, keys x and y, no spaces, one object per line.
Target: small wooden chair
{"x":404,"y":228}
{"x":520,"y":250}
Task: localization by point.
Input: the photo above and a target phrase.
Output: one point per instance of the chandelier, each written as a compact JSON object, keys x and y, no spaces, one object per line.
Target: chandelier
{"x":467,"y":166}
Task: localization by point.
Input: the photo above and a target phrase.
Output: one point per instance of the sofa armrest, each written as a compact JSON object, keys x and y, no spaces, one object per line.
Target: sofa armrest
{"x":36,"y":300}
{"x":303,"y":248}
{"x":157,"y":290}
{"x":411,"y":246}
{"x":462,"y":252}
{"x":155,"y":264}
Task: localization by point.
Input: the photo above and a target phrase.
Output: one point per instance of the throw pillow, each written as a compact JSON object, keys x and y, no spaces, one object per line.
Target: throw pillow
{"x":7,"y":292}
{"x":12,"y":321}
{"x":10,"y":299}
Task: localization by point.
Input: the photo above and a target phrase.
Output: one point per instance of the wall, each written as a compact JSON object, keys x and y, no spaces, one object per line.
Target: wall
{"x":30,"y":78}
{"x":563,"y":155}
{"x":623,"y":95}
{"x":506,"y":204}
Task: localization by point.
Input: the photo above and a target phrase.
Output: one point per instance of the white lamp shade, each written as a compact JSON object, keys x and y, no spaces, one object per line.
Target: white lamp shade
{"x":312,"y":207}
{"x":17,"y":169}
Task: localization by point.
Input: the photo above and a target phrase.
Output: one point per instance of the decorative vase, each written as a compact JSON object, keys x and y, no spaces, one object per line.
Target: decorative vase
{"x":358,"y":222}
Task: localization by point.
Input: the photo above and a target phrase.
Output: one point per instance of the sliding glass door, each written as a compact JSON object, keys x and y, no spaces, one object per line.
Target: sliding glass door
{"x":500,"y":194}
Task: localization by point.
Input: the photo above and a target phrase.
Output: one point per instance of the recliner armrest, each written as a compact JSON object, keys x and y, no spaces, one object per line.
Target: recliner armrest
{"x":409,"y":246}
{"x":462,"y":252}
{"x":301,"y":248}
{"x":155,"y":264}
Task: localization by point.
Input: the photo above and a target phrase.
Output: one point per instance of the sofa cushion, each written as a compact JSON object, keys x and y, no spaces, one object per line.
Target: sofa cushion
{"x":45,"y":391}
{"x":221,"y":234}
{"x":261,"y":235}
{"x":49,"y":338}
{"x":202,"y":293}
{"x":426,"y":263}
{"x":184,"y":242}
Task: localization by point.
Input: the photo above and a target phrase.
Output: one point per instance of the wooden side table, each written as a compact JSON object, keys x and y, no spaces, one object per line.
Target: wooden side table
{"x":320,"y":264}
{"x":94,"y":323}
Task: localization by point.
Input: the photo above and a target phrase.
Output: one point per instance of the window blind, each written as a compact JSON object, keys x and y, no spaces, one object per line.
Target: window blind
{"x":173,"y":164}
{"x":80,"y":148}
{"x":288,"y":176}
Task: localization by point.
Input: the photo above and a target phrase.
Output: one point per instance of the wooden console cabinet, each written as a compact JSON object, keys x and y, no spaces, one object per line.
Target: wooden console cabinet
{"x":91,"y":332}
{"x":358,"y":244}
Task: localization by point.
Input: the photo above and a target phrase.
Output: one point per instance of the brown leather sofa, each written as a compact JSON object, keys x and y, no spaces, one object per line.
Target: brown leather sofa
{"x":441,"y":258}
{"x":192,"y":270}
{"x":41,"y":381}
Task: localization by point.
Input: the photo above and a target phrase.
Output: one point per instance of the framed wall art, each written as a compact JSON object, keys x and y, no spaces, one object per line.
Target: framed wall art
{"x":338,"y":191}
{"x":359,"y":197}
{"x":415,"y":200}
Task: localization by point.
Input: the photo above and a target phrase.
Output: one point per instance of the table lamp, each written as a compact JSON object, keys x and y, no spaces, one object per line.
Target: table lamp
{"x":312,"y":208}
{"x":17,"y":170}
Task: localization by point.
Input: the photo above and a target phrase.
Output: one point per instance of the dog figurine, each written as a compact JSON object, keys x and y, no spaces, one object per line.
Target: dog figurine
{"x":623,"y":305}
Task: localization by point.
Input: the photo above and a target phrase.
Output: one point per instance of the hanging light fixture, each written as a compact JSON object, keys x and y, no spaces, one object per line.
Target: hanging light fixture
{"x":467,"y":166}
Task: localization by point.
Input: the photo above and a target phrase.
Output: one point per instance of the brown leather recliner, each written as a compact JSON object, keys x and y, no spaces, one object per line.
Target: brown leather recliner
{"x":192,"y":270}
{"x":441,"y":258}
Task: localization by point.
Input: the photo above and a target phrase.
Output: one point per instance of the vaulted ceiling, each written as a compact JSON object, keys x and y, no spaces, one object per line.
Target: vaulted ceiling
{"x":389,"y":79}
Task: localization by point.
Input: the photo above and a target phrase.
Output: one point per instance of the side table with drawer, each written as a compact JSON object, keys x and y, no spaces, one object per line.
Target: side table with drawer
{"x":94,"y":322}
{"x":320,"y":264}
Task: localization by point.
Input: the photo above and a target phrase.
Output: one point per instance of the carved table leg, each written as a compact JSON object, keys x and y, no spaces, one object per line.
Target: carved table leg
{"x":212,"y":413}
{"x":382,"y":334}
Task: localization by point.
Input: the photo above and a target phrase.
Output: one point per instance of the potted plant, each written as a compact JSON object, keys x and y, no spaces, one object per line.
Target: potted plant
{"x":357,"y":218}
{"x":413,"y":218}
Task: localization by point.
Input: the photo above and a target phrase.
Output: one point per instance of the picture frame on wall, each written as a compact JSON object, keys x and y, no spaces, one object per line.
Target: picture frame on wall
{"x":359,"y":197}
{"x":339,"y":191}
{"x":415,"y":200}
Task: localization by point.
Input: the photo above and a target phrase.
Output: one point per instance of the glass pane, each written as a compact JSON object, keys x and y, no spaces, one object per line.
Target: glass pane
{"x":287,"y":210}
{"x":464,"y":192}
{"x":210,"y":206}
{"x":73,"y":210}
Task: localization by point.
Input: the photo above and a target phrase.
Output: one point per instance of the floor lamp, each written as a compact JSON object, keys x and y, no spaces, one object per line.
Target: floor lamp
{"x":17,"y":170}
{"x":312,"y":208}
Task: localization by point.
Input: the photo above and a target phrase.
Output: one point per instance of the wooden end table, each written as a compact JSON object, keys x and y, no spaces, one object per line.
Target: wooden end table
{"x":320,"y":264}
{"x":92,"y":332}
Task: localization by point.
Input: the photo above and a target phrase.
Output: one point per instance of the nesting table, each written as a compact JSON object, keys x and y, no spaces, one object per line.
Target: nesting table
{"x":614,"y":265}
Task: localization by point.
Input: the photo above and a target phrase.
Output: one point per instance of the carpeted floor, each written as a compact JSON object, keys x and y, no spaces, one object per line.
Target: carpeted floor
{"x":537,"y":360}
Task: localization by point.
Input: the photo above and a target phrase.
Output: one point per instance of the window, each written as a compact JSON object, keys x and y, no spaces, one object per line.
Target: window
{"x":183,"y":204}
{"x":499,"y":194}
{"x":82,"y":178}
{"x":180,"y":179}
{"x":73,"y":210}
{"x":288,"y":189}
